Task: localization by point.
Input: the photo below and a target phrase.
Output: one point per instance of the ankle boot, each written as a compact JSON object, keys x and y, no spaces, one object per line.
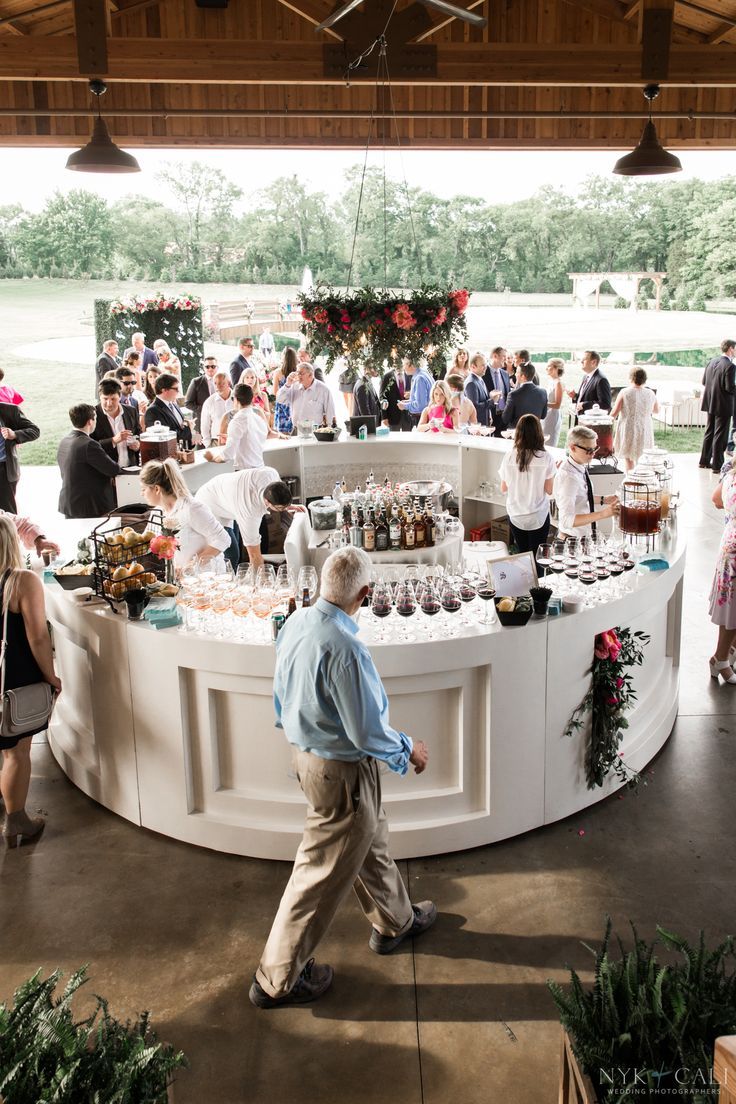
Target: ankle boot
{"x":20,"y":828}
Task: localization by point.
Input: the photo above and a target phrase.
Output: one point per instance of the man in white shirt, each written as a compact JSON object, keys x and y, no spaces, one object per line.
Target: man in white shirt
{"x":265,"y":344}
{"x":244,"y":497}
{"x":117,"y":425}
{"x":309,"y":399}
{"x":578,"y":508}
{"x":246,"y":434}
{"x":216,"y":407}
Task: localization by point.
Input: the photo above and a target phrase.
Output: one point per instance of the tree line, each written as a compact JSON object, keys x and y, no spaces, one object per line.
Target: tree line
{"x":194,"y":227}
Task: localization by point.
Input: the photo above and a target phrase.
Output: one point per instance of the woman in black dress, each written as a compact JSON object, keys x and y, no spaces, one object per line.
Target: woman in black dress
{"x":28,"y":659}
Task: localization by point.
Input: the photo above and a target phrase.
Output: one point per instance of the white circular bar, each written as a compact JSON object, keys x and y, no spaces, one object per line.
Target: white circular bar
{"x":174,"y":731}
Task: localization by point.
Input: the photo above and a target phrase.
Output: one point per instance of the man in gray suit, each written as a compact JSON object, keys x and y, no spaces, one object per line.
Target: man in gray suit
{"x":526,"y":398}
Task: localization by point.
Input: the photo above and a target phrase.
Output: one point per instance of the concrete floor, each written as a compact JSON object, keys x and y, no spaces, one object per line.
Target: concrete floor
{"x":464,"y":1015}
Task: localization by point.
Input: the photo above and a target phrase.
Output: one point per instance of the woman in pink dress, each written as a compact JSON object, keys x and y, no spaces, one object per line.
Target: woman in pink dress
{"x":723,"y":591}
{"x":441,"y":416}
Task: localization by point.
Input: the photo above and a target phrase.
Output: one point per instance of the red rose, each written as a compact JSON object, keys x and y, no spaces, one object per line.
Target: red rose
{"x":304,"y":313}
{"x":330,"y":328}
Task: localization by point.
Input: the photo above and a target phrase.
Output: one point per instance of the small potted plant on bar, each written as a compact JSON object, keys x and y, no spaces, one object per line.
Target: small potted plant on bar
{"x":646,"y":1030}
{"x":45,"y":1055}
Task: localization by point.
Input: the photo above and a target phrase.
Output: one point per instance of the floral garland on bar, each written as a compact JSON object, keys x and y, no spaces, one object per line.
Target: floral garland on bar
{"x":610,"y":695}
{"x":375,"y":326}
{"x":158,"y":302}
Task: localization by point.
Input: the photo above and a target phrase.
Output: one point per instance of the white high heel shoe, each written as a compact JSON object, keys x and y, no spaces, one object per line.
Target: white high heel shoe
{"x":717,"y":668}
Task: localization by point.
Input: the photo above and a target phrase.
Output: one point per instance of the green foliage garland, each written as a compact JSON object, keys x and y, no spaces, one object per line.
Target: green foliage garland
{"x":646,"y":1031}
{"x":157,"y":317}
{"x":610,"y":695}
{"x":380,"y":327}
{"x":48,"y":1058}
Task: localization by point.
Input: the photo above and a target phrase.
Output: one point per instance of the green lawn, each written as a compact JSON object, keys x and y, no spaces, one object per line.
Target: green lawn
{"x":674,"y":440}
{"x":35,"y":310}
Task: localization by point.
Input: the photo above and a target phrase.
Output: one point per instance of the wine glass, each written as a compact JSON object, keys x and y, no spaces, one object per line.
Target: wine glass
{"x":261,"y":603}
{"x":381,"y":604}
{"x":241,"y":609}
{"x":451,"y":604}
{"x":406,"y":605}
{"x":285,"y":584}
{"x":430,"y":605}
{"x":266,"y":576}
{"x":245,"y":575}
{"x":306,"y":580}
{"x":543,"y":558}
{"x":486,"y":591}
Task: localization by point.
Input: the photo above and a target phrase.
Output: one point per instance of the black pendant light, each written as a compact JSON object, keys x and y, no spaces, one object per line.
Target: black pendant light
{"x":649,"y":158}
{"x":101,"y":155}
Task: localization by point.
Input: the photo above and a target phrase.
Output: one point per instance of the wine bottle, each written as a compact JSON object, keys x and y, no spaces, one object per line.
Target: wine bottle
{"x":420,"y":531}
{"x":395,"y":529}
{"x":382,"y":534}
{"x":306,"y":600}
{"x":429,"y":526}
{"x":334,"y":423}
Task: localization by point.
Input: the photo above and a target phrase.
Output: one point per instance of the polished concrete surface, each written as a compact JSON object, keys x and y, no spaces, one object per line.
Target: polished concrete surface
{"x":464,"y":1014}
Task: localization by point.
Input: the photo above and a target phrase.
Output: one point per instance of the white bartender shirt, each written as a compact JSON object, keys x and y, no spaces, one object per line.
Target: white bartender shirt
{"x":239,"y":496}
{"x":527,"y":502}
{"x":246,"y":436}
{"x":571,"y":496}
{"x":309,"y":405}
{"x":198,"y":528}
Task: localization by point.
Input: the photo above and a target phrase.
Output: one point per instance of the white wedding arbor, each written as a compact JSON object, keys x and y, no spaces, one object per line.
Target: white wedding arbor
{"x":625,"y":284}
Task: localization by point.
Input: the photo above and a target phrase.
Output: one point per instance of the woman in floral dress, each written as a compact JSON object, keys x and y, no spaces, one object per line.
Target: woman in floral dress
{"x":723,"y":591}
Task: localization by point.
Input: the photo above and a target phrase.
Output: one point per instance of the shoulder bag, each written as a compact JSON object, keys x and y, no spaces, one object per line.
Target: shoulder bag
{"x":26,"y":708}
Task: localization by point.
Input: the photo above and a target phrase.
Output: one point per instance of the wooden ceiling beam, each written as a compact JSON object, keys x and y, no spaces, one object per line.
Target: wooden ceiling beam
{"x":439,"y":22}
{"x":720,"y":33}
{"x":609,"y":9}
{"x":90,"y":26}
{"x":219,"y":61}
{"x":14,"y":28}
{"x":656,"y":19}
{"x":313,"y":11}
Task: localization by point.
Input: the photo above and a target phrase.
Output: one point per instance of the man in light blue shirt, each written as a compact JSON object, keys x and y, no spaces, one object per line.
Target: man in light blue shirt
{"x":332,"y":706}
{"x":422,"y":382}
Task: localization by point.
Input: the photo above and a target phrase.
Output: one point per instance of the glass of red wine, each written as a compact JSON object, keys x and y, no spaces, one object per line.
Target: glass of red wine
{"x":468,"y":589}
{"x":430,"y":605}
{"x":486,"y":592}
{"x":381,"y":606}
{"x":451,"y":603}
{"x":406,"y":605}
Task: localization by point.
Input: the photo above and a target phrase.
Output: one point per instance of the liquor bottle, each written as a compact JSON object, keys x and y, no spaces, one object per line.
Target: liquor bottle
{"x":356,"y":531}
{"x":306,"y":600}
{"x":409,"y":534}
{"x":343,"y":485}
{"x":345,"y":531}
{"x":371,"y":482}
{"x":324,"y":422}
{"x":394,"y":534}
{"x":334,"y":423}
{"x":336,"y":493}
{"x":292,"y":607}
{"x":429,"y":525}
{"x":420,"y":531}
{"x":382,"y":534}
{"x":369,"y":533}
{"x":387,"y":483}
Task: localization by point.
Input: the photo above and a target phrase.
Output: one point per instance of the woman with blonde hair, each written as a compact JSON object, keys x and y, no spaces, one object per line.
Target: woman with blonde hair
{"x":555,"y":395}
{"x":441,"y":415}
{"x":467,"y":415}
{"x":168,"y":361}
{"x":28,"y":659}
{"x":460,"y":363}
{"x":199,"y":532}
{"x":260,"y":402}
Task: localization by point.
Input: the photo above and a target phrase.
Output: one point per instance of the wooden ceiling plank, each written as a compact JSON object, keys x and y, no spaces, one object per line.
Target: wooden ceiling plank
{"x":632,"y":11}
{"x":90,"y":25}
{"x":719,"y":34}
{"x":609,"y":9}
{"x":219,"y":61}
{"x":313,"y":11}
{"x":655,"y":34}
{"x":439,"y":22}
{"x":14,"y":28}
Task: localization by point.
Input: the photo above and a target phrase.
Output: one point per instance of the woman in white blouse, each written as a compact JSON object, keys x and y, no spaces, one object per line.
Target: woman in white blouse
{"x":527,"y":475}
{"x":198,"y":530}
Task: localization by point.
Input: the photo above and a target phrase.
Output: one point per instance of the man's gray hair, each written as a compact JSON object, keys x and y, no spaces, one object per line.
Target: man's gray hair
{"x":581,"y":435}
{"x":344,"y":574}
{"x":221,"y":374}
{"x":108,"y":343}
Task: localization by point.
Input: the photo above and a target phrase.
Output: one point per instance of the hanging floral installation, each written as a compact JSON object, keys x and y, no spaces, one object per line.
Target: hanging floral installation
{"x":379,"y":327}
{"x":137,"y":304}
{"x":615,"y":654}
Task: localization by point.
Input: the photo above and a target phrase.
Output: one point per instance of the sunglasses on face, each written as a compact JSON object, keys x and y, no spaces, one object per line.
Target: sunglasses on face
{"x":590,"y":452}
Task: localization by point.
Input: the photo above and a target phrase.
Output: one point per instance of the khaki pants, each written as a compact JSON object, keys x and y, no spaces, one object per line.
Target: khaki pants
{"x":345,"y":844}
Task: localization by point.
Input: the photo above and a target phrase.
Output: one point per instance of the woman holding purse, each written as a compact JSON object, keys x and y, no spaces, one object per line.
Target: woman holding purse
{"x":28,"y":659}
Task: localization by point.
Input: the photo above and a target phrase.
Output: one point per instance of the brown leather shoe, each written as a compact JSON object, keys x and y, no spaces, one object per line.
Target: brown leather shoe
{"x":312,"y":982}
{"x":425,"y":914}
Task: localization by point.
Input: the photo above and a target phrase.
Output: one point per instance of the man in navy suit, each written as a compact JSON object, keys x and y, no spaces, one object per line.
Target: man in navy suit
{"x":243,"y":360}
{"x":497,"y":380}
{"x":595,"y":390}
{"x":165,"y":409}
{"x":147,"y":356}
{"x":526,"y":398}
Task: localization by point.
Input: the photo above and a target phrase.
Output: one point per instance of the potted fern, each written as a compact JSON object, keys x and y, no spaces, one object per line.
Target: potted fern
{"x":46,"y":1056}
{"x":646,"y":1030}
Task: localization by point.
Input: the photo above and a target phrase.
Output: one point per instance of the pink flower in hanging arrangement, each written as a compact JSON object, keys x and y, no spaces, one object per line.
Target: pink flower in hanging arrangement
{"x":440,"y":317}
{"x":164,"y":547}
{"x":305,"y":314}
{"x":459,"y":300}
{"x":403,"y":317}
{"x":330,"y":328}
{"x":321,"y":317}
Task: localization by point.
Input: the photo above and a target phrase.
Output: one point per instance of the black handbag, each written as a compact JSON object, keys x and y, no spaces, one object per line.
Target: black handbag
{"x":26,"y":708}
